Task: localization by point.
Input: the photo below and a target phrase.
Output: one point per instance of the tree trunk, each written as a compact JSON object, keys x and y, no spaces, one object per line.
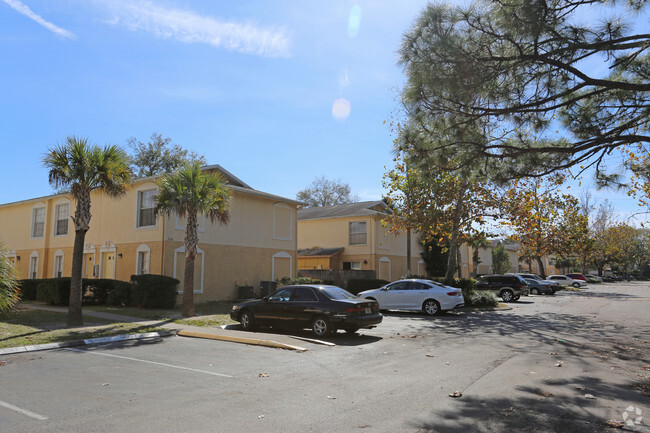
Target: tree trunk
{"x":540,"y":264}
{"x":188,"y":287}
{"x":75,"y":317}
{"x":191,"y":244}
{"x":455,"y":234}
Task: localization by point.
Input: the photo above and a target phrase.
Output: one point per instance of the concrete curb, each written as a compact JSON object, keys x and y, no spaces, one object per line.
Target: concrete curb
{"x":242,"y":340}
{"x":89,"y":341}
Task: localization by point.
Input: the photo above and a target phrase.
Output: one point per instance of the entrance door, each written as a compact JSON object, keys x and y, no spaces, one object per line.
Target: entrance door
{"x":108,"y":265}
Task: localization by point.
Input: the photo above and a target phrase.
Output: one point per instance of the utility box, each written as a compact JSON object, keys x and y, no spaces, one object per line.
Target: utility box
{"x":246,"y":292}
{"x":267,"y":287}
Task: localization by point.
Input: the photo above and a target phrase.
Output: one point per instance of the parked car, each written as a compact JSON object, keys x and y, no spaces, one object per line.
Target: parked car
{"x":530,"y":276}
{"x":609,"y":279}
{"x":566,"y":281}
{"x":322,"y":308}
{"x":508,"y":287}
{"x":416,"y":295}
{"x":577,"y":276}
{"x":541,"y":287}
{"x":593,"y":279}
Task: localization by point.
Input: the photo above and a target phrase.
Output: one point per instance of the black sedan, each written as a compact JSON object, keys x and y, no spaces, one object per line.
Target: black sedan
{"x":323,"y":309}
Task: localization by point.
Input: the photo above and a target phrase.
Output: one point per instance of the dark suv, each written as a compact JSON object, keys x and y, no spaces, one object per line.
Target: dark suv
{"x":508,"y":287}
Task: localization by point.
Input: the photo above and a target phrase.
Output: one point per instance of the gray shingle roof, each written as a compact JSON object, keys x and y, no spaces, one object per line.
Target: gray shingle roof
{"x":345,"y":210}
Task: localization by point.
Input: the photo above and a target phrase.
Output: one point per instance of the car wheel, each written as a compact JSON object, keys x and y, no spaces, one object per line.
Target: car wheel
{"x":321,"y":326}
{"x":247,"y":320}
{"x":534,"y":292}
{"x":576,"y":285}
{"x":431,"y":307}
{"x":507,"y":295}
{"x":351,"y":330}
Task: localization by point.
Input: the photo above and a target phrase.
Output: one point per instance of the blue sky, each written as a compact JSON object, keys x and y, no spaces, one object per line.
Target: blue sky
{"x":277,"y":92}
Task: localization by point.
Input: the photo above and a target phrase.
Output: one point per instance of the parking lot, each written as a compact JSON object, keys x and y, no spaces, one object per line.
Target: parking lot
{"x":565,"y":363}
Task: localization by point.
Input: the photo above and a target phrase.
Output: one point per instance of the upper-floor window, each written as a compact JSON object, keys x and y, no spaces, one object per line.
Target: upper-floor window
{"x":38,"y":222}
{"x":61,"y":215}
{"x":358,"y":233}
{"x":147,"y":208}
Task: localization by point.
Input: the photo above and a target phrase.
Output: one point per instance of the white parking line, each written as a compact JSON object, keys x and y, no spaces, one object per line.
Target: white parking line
{"x":23,"y":411}
{"x":150,"y":362}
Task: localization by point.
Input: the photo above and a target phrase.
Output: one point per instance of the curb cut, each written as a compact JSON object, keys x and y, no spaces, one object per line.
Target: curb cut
{"x":242,"y":340}
{"x":89,"y":341}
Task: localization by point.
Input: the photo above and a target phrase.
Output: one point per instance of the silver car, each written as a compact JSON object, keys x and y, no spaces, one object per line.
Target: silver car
{"x":416,"y":295}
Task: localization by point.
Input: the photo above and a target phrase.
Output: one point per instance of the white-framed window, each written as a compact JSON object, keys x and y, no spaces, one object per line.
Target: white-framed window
{"x":357,"y":233}
{"x":143,"y":259}
{"x":146,"y":216}
{"x":58,"y":264}
{"x":38,"y":222}
{"x":351,"y":266}
{"x":61,"y":218}
{"x":33,"y":265}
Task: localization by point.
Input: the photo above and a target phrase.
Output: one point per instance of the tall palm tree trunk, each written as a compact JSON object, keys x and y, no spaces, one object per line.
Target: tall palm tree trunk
{"x":188,"y":286}
{"x":75,"y":317}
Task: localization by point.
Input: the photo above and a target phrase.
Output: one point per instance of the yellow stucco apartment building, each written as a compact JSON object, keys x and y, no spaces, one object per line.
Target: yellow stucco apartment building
{"x":352,"y":237}
{"x":126,"y":238}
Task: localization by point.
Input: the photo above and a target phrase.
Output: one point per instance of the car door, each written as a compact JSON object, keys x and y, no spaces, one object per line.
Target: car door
{"x":418,"y":292}
{"x":301,"y":308}
{"x":275,"y":307}
{"x":394,"y":295}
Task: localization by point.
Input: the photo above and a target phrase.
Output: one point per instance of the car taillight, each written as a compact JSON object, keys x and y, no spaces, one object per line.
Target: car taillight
{"x":454,"y":293}
{"x":375,"y":307}
{"x":354,"y":310}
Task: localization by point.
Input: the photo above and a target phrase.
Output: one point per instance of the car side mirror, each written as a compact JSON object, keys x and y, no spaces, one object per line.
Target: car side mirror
{"x":265,"y":299}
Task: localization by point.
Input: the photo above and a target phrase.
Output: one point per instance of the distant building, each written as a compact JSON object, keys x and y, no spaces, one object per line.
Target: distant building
{"x":353,"y":237}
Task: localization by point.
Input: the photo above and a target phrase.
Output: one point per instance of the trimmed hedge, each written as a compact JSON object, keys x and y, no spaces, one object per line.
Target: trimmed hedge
{"x":357,"y":285}
{"x":153,"y":291}
{"x":54,"y":291}
{"x":104,"y":291}
{"x":28,"y":289}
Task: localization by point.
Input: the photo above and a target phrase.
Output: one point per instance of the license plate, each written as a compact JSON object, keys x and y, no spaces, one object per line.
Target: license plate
{"x":368,"y":310}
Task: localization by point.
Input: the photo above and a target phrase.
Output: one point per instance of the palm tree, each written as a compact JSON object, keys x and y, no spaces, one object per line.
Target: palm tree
{"x":82,"y":168}
{"x":189,"y":192}
{"x":9,"y":290}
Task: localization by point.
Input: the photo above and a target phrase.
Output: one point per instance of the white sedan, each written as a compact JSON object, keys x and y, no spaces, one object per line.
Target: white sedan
{"x":566,"y":281}
{"x":419,"y":295}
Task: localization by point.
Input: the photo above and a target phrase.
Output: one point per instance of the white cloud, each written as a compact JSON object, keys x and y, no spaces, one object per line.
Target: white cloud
{"x":189,"y":27}
{"x":25,"y":10}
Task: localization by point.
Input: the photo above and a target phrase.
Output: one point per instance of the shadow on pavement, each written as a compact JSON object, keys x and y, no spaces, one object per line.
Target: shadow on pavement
{"x":559,"y":407}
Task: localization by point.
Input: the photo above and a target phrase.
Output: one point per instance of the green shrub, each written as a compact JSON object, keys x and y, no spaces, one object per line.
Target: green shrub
{"x":154,"y":291}
{"x":481,"y":298}
{"x":357,"y":285}
{"x":286,"y":281}
{"x":54,"y":291}
{"x":28,"y":289}
{"x":104,"y":291}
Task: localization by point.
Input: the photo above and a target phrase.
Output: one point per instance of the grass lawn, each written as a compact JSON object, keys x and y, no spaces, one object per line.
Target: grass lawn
{"x":28,"y":327}
{"x":207,"y":314}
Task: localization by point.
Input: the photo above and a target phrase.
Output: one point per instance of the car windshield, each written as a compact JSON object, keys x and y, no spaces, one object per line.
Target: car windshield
{"x":334,"y":292}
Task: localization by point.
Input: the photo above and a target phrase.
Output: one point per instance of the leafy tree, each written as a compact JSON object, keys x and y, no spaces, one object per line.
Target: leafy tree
{"x":159,"y":156}
{"x":190,"y":192}
{"x":604,"y":219}
{"x":544,"y":220}
{"x":83,"y":168}
{"x":435,"y":258}
{"x":500,"y":260}
{"x":326,"y":192}
{"x":524,"y":71}
{"x":9,"y":290}
{"x":449,"y":207}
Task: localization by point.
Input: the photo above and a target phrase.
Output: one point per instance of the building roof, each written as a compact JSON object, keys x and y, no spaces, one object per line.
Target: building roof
{"x":312,"y":252}
{"x":345,"y":210}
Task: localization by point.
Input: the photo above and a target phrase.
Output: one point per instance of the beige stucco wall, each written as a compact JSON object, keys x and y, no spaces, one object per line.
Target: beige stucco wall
{"x":258,"y":244}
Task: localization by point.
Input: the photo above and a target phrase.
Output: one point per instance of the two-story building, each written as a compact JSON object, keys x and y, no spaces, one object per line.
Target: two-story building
{"x":126,"y":237}
{"x":355,"y":237}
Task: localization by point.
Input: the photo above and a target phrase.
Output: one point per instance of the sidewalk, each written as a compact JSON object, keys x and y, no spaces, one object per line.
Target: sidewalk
{"x":229,"y":333}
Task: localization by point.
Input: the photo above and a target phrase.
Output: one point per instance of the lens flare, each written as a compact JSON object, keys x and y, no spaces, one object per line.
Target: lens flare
{"x":341,"y":109}
{"x":354,"y":21}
